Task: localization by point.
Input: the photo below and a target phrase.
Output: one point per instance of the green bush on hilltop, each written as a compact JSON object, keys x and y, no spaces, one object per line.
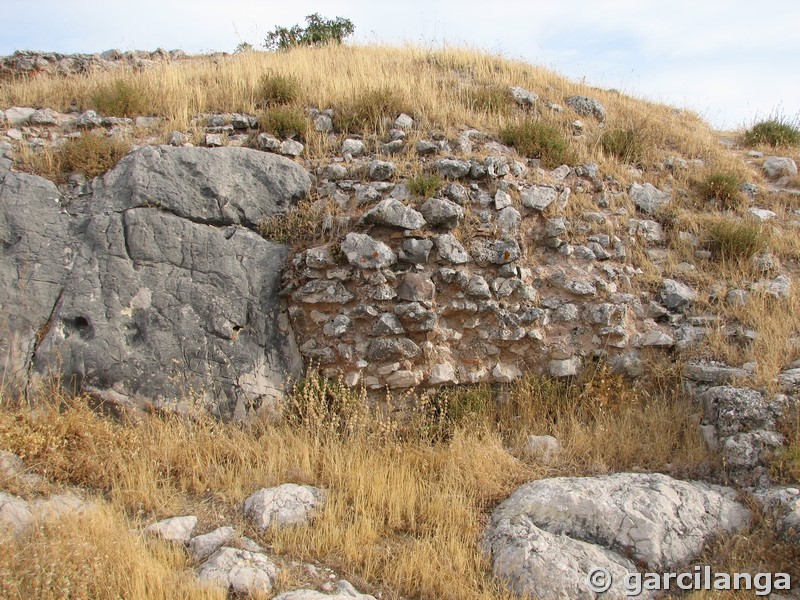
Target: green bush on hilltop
{"x":775,"y":131}
{"x":319,"y":32}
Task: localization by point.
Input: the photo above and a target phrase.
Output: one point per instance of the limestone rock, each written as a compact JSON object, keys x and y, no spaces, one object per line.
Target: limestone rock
{"x":238,"y":570}
{"x":539,"y":197}
{"x":445,"y":214}
{"x":588,"y":107}
{"x":19,"y":115}
{"x":321,"y":291}
{"x":450,"y":249}
{"x":226,"y":186}
{"x":150,"y":271}
{"x":523,"y":97}
{"x":506,"y":373}
{"x":365,"y":252}
{"x":478,"y":288}
{"x":386,"y":349}
{"x":203,"y":546}
{"x":660,"y":521}
{"x":542,"y":447}
{"x":287,"y":504}
{"x":175,"y":529}
{"x":15,"y":515}
{"x":404,"y":379}
{"x":495,"y":252}
{"x":214,"y":140}
{"x":443,"y":373}
{"x":291,"y":148}
{"x":404,"y":122}
{"x":777,"y":167}
{"x":648,"y":198}
{"x":535,"y":562}
{"x":393,"y":213}
{"x":676,"y":295}
{"x":46,"y":116}
{"x":779,"y":288}
{"x":416,"y":288}
{"x":344,"y":591}
{"x":380,"y":170}
{"x":416,"y":251}
{"x":353,"y":147}
{"x":453,"y":169}
{"x":567,"y":367}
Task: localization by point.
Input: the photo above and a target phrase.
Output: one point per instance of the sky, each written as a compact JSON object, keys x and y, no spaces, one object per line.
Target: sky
{"x":732,"y":61}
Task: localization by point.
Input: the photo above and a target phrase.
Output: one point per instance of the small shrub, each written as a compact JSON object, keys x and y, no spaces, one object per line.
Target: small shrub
{"x":733,"y":240}
{"x":92,"y":154}
{"x":625,"y":144}
{"x":306,"y":223}
{"x":777,"y":131}
{"x":538,"y":140}
{"x":368,"y":111}
{"x":319,"y":32}
{"x":424,"y":185}
{"x":722,"y":187}
{"x":120,"y":98}
{"x":493,"y":99}
{"x":275,"y":90}
{"x":284,"y":122}
{"x":328,"y":407}
{"x":435,"y":415}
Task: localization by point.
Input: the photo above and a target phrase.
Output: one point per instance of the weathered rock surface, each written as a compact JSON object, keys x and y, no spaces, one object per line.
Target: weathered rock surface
{"x":393,"y":213}
{"x":660,"y":521}
{"x":238,"y":570}
{"x":546,"y":565}
{"x":152,"y":287}
{"x":202,"y":546}
{"x":648,"y":198}
{"x":744,"y":423}
{"x":174,"y":529}
{"x":344,"y":591}
{"x":15,"y":515}
{"x":287,"y":504}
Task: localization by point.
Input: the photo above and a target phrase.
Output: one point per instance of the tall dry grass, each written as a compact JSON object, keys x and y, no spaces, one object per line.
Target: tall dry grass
{"x":440,"y":88}
{"x":410,"y":491}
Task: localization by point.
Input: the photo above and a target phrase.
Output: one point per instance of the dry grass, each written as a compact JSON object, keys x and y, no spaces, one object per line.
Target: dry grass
{"x":776,"y":326}
{"x":95,"y":556}
{"x":92,"y":154}
{"x":409,"y":491}
{"x":305,"y":225}
{"x":445,"y":89}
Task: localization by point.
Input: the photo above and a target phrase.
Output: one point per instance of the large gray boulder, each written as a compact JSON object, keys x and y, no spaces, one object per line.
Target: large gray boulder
{"x":657,"y":520}
{"x":287,"y":504}
{"x":549,"y":566}
{"x":36,"y":256}
{"x":227,"y":186}
{"x":153,"y":290}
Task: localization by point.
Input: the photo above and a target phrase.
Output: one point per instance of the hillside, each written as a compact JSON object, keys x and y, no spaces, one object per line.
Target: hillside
{"x":494,"y":276}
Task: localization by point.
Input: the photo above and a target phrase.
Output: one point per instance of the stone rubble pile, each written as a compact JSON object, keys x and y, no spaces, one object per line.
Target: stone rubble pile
{"x":31,"y":64}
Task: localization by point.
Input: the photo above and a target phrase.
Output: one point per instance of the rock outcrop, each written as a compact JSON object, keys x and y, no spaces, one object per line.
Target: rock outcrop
{"x":152,"y":289}
{"x":548,"y":534}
